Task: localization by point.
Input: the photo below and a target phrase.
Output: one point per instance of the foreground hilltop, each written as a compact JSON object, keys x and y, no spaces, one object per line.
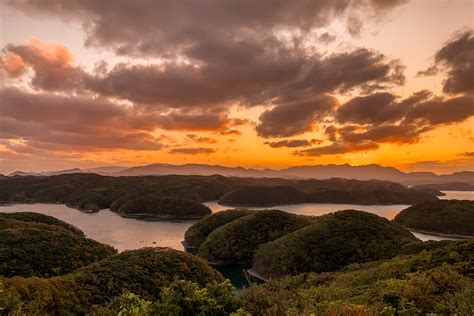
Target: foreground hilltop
{"x":180,"y":197}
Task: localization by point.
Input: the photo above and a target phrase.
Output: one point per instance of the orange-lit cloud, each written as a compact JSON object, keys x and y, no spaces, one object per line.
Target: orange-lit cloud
{"x":194,"y":77}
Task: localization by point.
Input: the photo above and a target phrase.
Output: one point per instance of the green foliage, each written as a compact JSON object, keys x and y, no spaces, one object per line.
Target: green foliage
{"x":38,"y":245}
{"x":22,"y":219}
{"x":236,"y":241}
{"x":199,"y":231}
{"x":333,"y":241}
{"x":280,"y":195}
{"x":263,"y":195}
{"x":431,"y":281}
{"x":443,"y":216}
{"x":145,"y":272}
{"x":153,"y":205}
{"x":179,"y":298}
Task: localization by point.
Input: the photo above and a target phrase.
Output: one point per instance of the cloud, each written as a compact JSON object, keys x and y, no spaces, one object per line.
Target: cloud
{"x":294,"y":118}
{"x":192,"y":151}
{"x":468,"y":154}
{"x":51,"y":62}
{"x":178,"y":28}
{"x":335,"y":149}
{"x":383,"y":118}
{"x":70,"y":123}
{"x":375,"y":108}
{"x":293,"y":143}
{"x":438,"y":111}
{"x":444,"y":166}
{"x":457,"y":58}
{"x":200,"y":139}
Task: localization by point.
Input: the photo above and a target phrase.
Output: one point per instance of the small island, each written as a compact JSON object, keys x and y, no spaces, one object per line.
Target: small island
{"x":198,"y":232}
{"x":282,"y":195}
{"x":330,"y":243}
{"x":450,"y":218}
{"x":447,"y":186}
{"x":235,"y":242}
{"x":154,"y":207}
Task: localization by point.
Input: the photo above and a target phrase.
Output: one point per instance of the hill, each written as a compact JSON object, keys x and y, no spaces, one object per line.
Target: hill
{"x":451,"y":217}
{"x":39,"y":245}
{"x":236,"y":241}
{"x":145,"y":272}
{"x":153,"y":206}
{"x":436,"y":279}
{"x":260,"y":195}
{"x":198,"y":232}
{"x":330,"y":243}
{"x":281,"y":195}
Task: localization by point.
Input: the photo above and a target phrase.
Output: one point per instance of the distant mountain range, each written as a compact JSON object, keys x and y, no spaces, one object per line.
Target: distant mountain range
{"x":347,"y":171}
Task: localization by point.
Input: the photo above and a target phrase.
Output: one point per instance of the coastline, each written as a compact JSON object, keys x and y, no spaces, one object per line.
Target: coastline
{"x":426,"y":232}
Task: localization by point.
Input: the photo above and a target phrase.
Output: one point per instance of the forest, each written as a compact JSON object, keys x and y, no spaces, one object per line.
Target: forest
{"x":449,"y":217}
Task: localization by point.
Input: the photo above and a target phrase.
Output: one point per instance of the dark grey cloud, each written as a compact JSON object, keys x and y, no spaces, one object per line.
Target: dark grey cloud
{"x":294,"y":118}
{"x":457,"y":58}
{"x":168,"y":28}
{"x":439,"y":111}
{"x":378,"y":107}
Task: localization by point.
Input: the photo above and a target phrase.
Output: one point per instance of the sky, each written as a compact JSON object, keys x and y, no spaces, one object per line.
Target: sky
{"x":264,"y":84}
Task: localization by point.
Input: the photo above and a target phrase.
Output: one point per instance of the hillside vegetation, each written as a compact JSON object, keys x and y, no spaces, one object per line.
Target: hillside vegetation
{"x":437,"y":278}
{"x":153,"y":205}
{"x":332,"y":242}
{"x":145,"y":272}
{"x":419,"y":278}
{"x":453,"y":217}
{"x":39,"y":245}
{"x":199,"y":231}
{"x":236,"y":241}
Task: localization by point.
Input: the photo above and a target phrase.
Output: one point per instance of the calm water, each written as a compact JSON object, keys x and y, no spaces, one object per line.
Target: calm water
{"x":124,"y":233}
{"x":458,"y":195}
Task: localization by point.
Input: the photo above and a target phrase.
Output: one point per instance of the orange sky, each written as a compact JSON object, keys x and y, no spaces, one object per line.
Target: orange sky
{"x":263,"y":85}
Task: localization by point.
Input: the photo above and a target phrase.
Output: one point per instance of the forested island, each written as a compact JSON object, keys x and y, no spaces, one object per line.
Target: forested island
{"x":445,"y":217}
{"x":447,"y":186}
{"x":181,"y":197}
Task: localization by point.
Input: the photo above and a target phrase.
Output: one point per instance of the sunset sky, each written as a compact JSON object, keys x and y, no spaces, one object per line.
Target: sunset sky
{"x":89,"y":83}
